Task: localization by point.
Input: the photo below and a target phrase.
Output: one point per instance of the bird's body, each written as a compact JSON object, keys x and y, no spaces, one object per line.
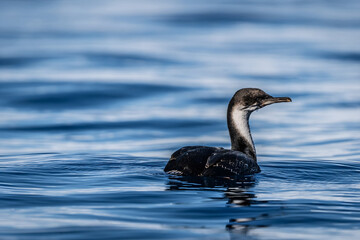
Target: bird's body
{"x":216,"y":161}
{"x":210,"y":161}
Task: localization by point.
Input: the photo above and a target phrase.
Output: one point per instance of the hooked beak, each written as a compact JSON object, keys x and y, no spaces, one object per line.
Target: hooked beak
{"x":272,"y":100}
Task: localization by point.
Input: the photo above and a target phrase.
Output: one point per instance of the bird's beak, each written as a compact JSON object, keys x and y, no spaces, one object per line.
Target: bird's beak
{"x":272,"y":100}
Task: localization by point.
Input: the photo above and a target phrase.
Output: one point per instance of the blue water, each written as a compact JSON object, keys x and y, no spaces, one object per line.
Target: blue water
{"x":96,"y":95}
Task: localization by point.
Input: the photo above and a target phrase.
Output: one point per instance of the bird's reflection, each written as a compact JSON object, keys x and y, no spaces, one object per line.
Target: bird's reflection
{"x":209,"y":183}
{"x":236,"y":194}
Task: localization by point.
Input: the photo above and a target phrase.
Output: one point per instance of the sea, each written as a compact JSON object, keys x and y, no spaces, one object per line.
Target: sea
{"x":96,"y":95}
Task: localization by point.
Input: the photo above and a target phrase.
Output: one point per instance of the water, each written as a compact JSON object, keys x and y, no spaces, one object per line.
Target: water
{"x":96,"y":95}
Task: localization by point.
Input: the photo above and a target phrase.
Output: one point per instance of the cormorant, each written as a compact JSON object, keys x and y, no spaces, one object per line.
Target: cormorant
{"x":217,"y":161}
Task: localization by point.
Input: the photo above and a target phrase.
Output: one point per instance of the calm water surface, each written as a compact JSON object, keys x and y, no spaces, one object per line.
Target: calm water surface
{"x":95,"y":96}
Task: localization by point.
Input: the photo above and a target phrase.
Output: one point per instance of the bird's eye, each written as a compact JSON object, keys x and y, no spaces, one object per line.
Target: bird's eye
{"x":259,"y":99}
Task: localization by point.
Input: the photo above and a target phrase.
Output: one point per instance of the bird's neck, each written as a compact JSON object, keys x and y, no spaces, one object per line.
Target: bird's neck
{"x":238,"y":124}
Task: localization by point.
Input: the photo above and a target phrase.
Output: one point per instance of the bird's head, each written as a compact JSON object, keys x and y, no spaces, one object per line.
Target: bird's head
{"x":251,"y":99}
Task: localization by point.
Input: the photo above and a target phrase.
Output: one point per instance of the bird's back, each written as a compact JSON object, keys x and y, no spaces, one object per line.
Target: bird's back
{"x":210,"y":161}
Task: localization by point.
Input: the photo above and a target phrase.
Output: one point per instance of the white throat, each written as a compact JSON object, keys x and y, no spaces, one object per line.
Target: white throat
{"x":241,"y":122}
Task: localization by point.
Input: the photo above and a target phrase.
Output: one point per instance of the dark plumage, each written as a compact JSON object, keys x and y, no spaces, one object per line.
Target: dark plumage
{"x":215,"y":161}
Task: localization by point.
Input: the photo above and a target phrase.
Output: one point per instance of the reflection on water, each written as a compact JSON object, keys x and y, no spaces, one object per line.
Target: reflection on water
{"x":234,"y":193}
{"x":95,"y":96}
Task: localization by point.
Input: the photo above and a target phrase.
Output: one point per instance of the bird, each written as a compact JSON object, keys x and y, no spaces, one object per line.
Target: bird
{"x":241,"y":159}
